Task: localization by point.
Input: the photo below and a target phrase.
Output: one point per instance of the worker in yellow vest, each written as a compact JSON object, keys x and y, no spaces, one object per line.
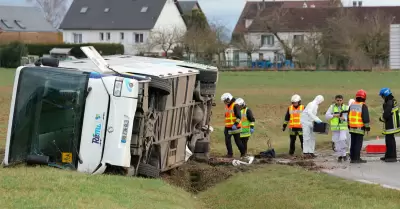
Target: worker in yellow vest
{"x":348,"y":140}
{"x":233,"y":124}
{"x":338,"y":122}
{"x":292,"y":118}
{"x":358,"y":125}
{"x":248,"y":122}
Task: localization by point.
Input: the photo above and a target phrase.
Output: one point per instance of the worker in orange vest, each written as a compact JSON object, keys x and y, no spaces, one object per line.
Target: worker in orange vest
{"x":358,"y":125}
{"x":233,"y":124}
{"x":292,"y":118}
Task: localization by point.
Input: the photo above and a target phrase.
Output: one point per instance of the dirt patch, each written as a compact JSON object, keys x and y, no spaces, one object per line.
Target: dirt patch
{"x":195,"y":177}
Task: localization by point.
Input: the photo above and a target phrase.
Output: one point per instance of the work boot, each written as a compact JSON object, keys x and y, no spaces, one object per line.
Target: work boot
{"x":390,"y":160}
{"x":339,"y":159}
{"x":228,"y":156}
{"x":313,"y":155}
{"x":358,"y":161}
{"x":383,"y":158}
{"x":344,"y":158}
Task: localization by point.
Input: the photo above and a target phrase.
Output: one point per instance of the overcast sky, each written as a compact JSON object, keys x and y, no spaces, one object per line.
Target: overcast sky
{"x":227,"y":11}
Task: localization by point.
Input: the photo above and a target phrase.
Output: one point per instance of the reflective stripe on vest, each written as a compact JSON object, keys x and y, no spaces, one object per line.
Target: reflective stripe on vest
{"x":395,"y":120}
{"x":245,"y":124}
{"x":355,"y":119}
{"x":230,"y":117}
{"x":294,"y":121}
{"x":335,"y":125}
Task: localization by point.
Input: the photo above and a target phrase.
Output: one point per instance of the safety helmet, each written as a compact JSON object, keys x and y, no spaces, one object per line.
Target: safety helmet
{"x":362,"y":94}
{"x":295,"y":98}
{"x":384,"y":92}
{"x":240,"y":101}
{"x":226,"y":96}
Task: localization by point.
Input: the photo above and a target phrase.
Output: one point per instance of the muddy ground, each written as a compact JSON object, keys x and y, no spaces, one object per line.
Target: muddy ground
{"x":196,"y":177}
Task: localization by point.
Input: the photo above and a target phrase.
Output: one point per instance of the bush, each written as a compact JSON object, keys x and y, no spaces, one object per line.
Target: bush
{"x":103,"y":49}
{"x":10,"y":54}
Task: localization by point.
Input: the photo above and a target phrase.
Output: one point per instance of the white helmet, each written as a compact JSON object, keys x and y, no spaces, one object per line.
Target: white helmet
{"x":226,"y":96}
{"x":295,"y":98}
{"x":240,"y":101}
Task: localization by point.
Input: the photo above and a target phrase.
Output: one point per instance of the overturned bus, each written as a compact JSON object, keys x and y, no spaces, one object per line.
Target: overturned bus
{"x":125,"y":114}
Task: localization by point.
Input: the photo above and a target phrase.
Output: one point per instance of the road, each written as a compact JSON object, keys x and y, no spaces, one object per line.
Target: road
{"x":372,"y":172}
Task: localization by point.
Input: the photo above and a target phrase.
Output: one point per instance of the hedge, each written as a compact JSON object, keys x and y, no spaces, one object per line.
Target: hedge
{"x":10,"y":54}
{"x":104,"y":49}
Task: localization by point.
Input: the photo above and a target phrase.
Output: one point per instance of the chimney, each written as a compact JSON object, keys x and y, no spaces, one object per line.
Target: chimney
{"x":360,"y":3}
{"x":354,"y":3}
{"x":305,"y":5}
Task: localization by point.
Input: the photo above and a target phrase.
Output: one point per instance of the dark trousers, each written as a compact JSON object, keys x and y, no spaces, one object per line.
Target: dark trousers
{"x":244,"y":142}
{"x":293,"y":135}
{"x":390,"y":146}
{"x":238,"y":142}
{"x":356,"y":146}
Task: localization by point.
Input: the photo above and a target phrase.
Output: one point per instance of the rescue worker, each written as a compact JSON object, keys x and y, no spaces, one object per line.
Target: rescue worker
{"x":307,"y":119}
{"x":338,"y":124}
{"x":292,"y":118}
{"x":348,"y":138}
{"x":390,"y":118}
{"x":248,"y":122}
{"x":358,"y":125}
{"x":233,"y":124}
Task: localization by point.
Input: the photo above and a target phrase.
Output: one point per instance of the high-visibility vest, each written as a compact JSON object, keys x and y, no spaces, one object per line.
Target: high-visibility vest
{"x":245,"y":124}
{"x":356,"y":123}
{"x":230,"y":117}
{"x":335,"y":125}
{"x":294,"y":121}
{"x":395,"y":119}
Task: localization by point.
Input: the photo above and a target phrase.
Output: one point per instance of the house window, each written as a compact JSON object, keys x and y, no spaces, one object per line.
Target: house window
{"x":6,"y":23}
{"x":101,"y":36}
{"x":267,"y":40}
{"x":144,"y":9}
{"x":138,"y":37}
{"x":108,"y":36}
{"x":298,"y":39}
{"x":84,"y":9}
{"x":77,"y":38}
{"x":19,"y":23}
{"x":121,"y":35}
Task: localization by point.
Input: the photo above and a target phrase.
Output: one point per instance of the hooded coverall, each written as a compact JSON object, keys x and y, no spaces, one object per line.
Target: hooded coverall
{"x":307,"y":118}
{"x":233,"y":117}
{"x":338,"y":127}
{"x":390,"y":118}
{"x":248,"y":122}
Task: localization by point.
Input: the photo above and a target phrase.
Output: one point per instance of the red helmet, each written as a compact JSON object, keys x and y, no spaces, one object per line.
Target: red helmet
{"x":362,"y":94}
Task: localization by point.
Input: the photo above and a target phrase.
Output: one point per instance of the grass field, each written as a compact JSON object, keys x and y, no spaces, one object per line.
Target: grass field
{"x":268,"y":95}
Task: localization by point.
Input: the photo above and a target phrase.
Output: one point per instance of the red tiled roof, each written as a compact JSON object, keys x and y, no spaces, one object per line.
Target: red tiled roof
{"x":305,"y":19}
{"x":251,"y":8}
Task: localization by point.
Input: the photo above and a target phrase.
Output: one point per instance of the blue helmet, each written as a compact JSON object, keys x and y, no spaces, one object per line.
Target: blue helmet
{"x":385,"y":92}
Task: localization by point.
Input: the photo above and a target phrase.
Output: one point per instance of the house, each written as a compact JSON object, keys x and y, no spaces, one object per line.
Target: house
{"x":26,"y":24}
{"x":129,"y":22}
{"x":187,"y":6}
{"x":295,"y":25}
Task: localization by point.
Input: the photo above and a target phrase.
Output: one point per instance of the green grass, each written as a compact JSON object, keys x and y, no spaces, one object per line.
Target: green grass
{"x":53,"y":188}
{"x":268,"y":94}
{"x":294,"y":188}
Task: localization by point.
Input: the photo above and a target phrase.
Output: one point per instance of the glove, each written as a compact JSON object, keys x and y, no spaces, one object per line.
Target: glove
{"x":284,"y":127}
{"x":234,"y":127}
{"x":381,"y":120}
{"x":318,"y":121}
{"x":367,"y":129}
{"x":252,"y":130}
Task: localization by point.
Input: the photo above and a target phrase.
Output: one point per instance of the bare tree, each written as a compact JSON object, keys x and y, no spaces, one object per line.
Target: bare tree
{"x":245,"y":43}
{"x":310,"y":49}
{"x":54,"y":10}
{"x":166,"y":38}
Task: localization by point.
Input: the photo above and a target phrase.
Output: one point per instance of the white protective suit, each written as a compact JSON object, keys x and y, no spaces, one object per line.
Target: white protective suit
{"x":338,"y":137}
{"x":348,"y":139}
{"x":307,"y":118}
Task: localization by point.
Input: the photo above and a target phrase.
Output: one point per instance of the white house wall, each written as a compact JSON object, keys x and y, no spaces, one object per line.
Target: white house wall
{"x":93,"y":36}
{"x":169,"y":20}
{"x":394,"y":47}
